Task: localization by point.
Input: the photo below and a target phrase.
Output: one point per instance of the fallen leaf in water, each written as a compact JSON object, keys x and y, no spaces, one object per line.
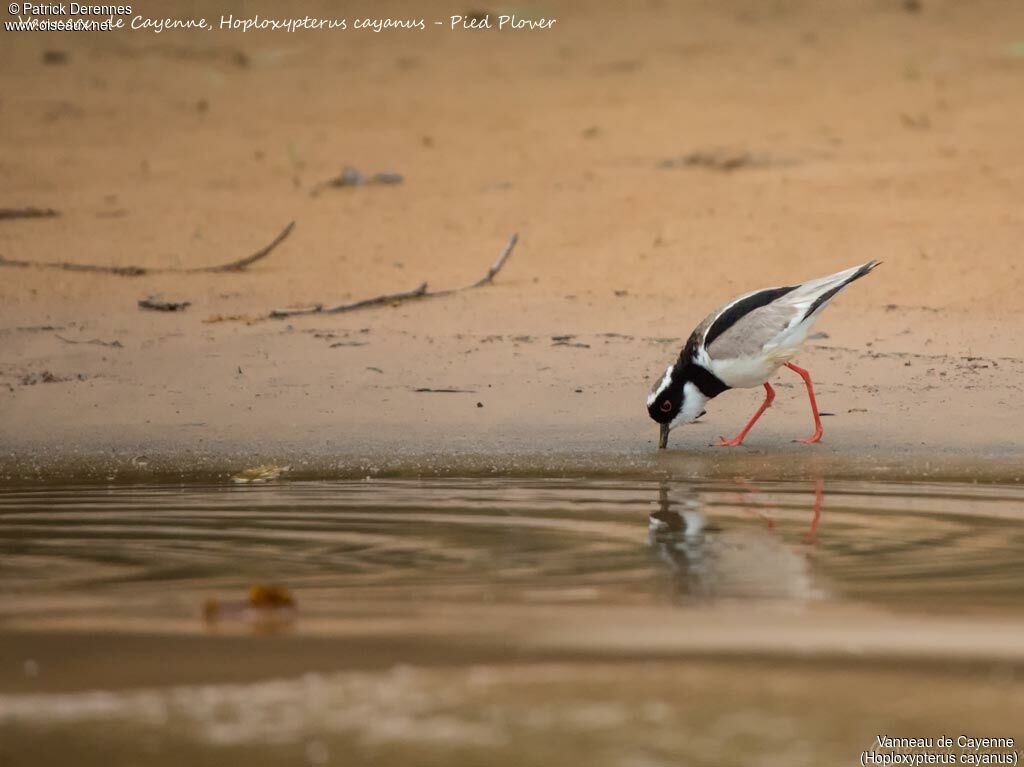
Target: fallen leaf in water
{"x":270,"y":596}
{"x":266,"y":607}
{"x":260,"y":474}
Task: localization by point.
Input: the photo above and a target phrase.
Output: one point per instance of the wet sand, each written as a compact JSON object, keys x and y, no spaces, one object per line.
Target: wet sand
{"x":859,"y":132}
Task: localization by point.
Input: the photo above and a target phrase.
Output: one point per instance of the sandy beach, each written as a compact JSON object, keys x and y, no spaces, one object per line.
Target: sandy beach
{"x":654,"y":162}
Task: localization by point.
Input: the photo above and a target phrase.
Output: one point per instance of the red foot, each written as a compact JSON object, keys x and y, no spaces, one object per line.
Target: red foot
{"x":769,"y":397}
{"x":816,"y":437}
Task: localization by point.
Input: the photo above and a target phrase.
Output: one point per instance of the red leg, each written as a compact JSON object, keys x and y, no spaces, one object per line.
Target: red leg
{"x":738,"y":439}
{"x":743,"y":499}
{"x":816,"y":437}
{"x":819,"y":496}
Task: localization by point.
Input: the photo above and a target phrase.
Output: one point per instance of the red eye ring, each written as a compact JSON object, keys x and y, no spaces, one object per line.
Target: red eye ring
{"x":666,"y":406}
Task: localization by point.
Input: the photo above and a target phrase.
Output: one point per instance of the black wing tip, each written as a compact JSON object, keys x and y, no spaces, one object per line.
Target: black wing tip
{"x":824,"y":298}
{"x":863,"y":270}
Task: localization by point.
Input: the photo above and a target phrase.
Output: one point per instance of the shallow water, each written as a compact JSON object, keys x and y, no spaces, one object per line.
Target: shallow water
{"x":507,"y":621}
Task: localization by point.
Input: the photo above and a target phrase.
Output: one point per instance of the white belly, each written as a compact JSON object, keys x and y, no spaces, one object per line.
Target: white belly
{"x":747,"y":372}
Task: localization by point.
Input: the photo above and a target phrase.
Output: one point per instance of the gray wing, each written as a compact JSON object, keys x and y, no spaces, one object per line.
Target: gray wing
{"x":749,"y":334}
{"x":745,"y":326}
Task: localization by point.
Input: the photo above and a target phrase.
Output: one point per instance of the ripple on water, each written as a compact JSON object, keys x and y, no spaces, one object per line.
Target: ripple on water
{"x":512,"y":596}
{"x":515,"y":542}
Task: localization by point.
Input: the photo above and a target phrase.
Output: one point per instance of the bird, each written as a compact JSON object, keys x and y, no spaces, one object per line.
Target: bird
{"x":741,"y":345}
{"x":709,"y":561}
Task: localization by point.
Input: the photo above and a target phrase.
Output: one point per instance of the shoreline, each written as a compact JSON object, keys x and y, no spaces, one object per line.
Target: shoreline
{"x":127,"y":466}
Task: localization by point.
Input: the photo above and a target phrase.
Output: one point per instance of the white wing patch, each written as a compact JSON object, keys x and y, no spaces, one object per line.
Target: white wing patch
{"x":703,"y":358}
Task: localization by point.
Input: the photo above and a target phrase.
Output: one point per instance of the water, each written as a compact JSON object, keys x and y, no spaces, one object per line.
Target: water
{"x":507,"y":621}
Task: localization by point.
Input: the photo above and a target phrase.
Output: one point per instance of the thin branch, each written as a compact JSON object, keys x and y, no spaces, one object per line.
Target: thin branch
{"x":94,"y":341}
{"x":122,"y":271}
{"x":243,"y":263}
{"x":9,"y":213}
{"x":408,"y":295}
{"x":496,"y":267}
{"x":278,"y":313}
{"x":157,"y":305}
{"x":387,"y":298}
{"x":136,"y":271}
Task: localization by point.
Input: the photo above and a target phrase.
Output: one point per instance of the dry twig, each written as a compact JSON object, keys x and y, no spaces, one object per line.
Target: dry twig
{"x":157,"y":305}
{"x":496,"y":266}
{"x":243,"y":263}
{"x":408,"y":295}
{"x":136,"y":271}
{"x":92,"y":341}
{"x":9,"y":213}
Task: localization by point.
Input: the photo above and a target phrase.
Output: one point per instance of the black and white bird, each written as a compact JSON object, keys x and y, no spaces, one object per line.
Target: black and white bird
{"x":741,"y":345}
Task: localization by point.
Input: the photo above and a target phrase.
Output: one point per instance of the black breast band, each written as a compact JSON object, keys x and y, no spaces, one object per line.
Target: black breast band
{"x":687,"y":369}
{"x":709,"y":384}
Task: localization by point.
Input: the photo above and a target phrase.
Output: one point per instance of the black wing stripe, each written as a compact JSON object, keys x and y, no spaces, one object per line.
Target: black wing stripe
{"x":741,"y":309}
{"x":828,"y":295}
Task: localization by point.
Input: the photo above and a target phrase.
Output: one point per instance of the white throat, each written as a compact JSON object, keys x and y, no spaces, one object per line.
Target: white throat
{"x":693,"y":405}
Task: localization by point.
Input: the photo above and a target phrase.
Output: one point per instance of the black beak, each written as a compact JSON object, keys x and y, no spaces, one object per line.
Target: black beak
{"x":663,"y":439}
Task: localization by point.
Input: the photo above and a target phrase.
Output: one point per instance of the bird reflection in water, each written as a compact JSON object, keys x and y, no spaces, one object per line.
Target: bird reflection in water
{"x":710,"y":561}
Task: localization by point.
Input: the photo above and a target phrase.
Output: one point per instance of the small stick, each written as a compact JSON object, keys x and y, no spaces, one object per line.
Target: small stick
{"x":277,"y":313}
{"x":387,"y":298}
{"x":243,"y":263}
{"x":408,"y":295}
{"x":94,"y":341}
{"x":9,"y":213}
{"x":163,"y":306}
{"x":136,"y":271}
{"x":488,"y":278}
{"x":123,"y":271}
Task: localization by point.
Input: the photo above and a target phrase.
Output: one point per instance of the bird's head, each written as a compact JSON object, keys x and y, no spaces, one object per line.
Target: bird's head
{"x":674,"y":400}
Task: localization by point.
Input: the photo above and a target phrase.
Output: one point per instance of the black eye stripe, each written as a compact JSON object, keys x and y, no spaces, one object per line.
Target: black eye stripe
{"x":666,"y":406}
